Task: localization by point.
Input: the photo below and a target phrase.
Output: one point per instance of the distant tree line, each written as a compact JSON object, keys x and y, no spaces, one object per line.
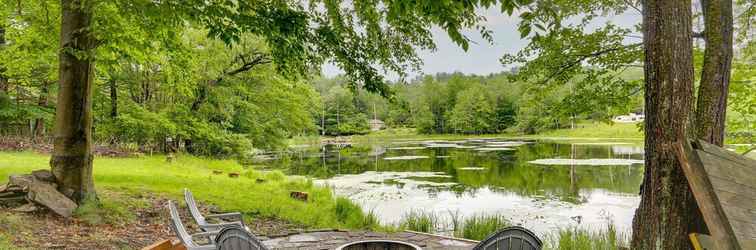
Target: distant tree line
{"x":461,"y":104}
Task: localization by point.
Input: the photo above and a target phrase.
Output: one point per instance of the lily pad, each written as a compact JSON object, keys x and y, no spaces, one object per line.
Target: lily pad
{"x":587,"y":162}
{"x":494,"y":149}
{"x":407,"y":148}
{"x":441,"y":145}
{"x":406,"y":157}
{"x":472,"y":168}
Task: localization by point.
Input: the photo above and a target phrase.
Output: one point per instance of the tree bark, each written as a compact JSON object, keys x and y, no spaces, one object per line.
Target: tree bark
{"x":72,"y":154}
{"x":39,"y":123}
{"x":667,"y":206}
{"x":715,"y":76}
{"x":113,"y":98}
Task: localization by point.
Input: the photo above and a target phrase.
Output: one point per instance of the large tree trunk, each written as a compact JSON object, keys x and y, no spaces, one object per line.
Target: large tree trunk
{"x":667,"y":206}
{"x":715,"y":76}
{"x":72,"y":155}
{"x":113,"y":98}
{"x":39,"y":123}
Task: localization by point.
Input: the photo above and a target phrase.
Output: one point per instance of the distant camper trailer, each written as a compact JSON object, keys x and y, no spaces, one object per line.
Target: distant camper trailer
{"x":376,"y":124}
{"x":631,"y":118}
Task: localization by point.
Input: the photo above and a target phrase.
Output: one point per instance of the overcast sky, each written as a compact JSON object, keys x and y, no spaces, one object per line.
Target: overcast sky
{"x":482,"y":57}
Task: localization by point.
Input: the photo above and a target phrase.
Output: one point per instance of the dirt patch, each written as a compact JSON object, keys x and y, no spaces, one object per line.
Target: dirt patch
{"x":146,"y":223}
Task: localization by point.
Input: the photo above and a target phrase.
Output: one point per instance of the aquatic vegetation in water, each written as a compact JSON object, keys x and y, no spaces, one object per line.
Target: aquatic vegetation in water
{"x":471,"y":168}
{"x":406,"y":148}
{"x":441,"y":145}
{"x":495,"y":149}
{"x":587,"y":162}
{"x":506,"y":143}
{"x":406,"y":157}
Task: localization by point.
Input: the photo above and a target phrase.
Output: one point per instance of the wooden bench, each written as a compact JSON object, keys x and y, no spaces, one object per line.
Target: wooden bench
{"x":724,"y":186}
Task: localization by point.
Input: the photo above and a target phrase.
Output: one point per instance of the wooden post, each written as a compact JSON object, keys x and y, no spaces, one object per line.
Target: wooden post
{"x":707,"y":200}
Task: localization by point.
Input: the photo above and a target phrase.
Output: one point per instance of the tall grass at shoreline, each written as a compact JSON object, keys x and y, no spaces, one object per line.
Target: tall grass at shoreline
{"x":583,"y":239}
{"x":420,"y":221}
{"x":352,"y":216}
{"x":480,"y":226}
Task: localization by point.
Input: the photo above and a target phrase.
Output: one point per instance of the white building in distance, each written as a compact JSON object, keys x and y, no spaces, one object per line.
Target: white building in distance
{"x":630,"y":118}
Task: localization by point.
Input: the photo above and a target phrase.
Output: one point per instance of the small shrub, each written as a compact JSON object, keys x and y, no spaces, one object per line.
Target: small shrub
{"x":276,"y":175}
{"x":420,"y":221}
{"x":477,"y":227}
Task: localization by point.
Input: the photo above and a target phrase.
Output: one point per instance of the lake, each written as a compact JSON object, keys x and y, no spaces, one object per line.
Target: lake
{"x":541,"y":185}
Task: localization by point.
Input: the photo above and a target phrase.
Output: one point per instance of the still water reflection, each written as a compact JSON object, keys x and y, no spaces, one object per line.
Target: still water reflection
{"x":542,"y":185}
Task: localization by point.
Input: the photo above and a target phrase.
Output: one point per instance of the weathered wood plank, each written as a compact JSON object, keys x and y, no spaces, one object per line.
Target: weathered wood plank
{"x":733,"y":199}
{"x":717,"y":166}
{"x":704,"y":193}
{"x":742,"y":190}
{"x":160,"y":245}
{"x":748,"y":244}
{"x":724,"y":153}
{"x":746,"y":229}
{"x":743,"y":214}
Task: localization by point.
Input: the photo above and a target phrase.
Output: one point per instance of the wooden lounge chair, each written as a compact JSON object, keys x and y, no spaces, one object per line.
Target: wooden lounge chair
{"x":201,"y":220}
{"x":188,"y":239}
{"x":235,"y":238}
{"x":511,"y":238}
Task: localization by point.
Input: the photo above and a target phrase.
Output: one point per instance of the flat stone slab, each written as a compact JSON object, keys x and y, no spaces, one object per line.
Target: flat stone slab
{"x":334,"y":238}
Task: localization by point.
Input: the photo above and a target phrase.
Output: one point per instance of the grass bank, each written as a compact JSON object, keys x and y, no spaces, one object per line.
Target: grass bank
{"x":597,"y":130}
{"x":247,"y":194}
{"x":582,"y":131}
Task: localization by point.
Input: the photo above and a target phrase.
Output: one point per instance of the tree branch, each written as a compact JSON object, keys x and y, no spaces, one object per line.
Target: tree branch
{"x":633,"y":5}
{"x":248,"y":62}
{"x":582,"y":57}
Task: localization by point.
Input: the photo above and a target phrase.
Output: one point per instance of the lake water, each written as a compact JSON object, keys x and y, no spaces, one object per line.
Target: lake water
{"x":542,"y":185}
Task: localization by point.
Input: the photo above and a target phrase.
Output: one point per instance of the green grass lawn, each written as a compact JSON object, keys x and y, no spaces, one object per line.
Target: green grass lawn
{"x":154,"y":174}
{"x":596,"y":130}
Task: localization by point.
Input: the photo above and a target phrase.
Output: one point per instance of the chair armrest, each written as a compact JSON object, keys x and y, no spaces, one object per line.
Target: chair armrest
{"x":218,"y":226}
{"x":209,"y":235}
{"x":236,"y":215}
{"x":206,"y":234}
